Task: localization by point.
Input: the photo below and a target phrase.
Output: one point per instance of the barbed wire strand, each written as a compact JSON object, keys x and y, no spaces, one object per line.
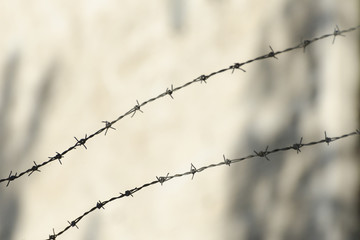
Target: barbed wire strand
{"x":194,"y":170}
{"x":169,"y":91}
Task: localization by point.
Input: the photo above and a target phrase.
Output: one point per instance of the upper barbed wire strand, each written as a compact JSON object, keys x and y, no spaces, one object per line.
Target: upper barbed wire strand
{"x":203,"y":78}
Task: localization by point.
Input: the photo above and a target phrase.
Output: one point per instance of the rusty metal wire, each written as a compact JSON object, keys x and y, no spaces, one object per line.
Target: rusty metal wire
{"x":194,"y":170}
{"x":170,"y":91}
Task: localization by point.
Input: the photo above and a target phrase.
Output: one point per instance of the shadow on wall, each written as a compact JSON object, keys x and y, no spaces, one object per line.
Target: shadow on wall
{"x":302,"y":215}
{"x":13,"y":156}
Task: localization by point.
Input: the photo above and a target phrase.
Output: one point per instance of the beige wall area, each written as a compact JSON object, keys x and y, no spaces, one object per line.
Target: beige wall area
{"x":66,"y":66}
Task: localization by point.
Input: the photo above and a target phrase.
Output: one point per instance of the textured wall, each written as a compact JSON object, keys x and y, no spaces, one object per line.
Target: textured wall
{"x":68,"y":65}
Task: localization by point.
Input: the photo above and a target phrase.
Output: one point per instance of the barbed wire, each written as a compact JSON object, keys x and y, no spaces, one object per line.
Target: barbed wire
{"x":193,"y":170}
{"x":169,"y":91}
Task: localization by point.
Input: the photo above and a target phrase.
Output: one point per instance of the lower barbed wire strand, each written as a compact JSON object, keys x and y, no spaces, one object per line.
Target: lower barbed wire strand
{"x":193,"y":171}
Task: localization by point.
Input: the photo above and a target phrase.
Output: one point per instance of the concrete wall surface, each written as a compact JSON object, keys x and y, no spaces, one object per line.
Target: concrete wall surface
{"x":66,"y":66}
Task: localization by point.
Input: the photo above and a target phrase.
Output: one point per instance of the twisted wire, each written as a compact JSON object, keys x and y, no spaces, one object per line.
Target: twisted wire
{"x":169,"y":91}
{"x":193,"y":170}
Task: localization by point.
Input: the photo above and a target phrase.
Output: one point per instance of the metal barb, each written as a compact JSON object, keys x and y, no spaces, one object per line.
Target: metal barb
{"x":236,"y":66}
{"x":226,"y":161}
{"x":193,"y":170}
{"x":336,"y":33}
{"x":34,"y":168}
{"x":263,"y":153}
{"x":272,"y":53}
{"x":136,"y":108}
{"x":73,"y":224}
{"x":53,"y":236}
{"x":203,"y":78}
{"x":128,"y":193}
{"x":11,"y":178}
{"x":305,"y":43}
{"x":58,"y":156}
{"x":107,"y":126}
{"x":297,"y":146}
{"x":162,"y":179}
{"x":327,"y":139}
{"x":99,"y":205}
{"x":82,"y":141}
{"x":170,"y":91}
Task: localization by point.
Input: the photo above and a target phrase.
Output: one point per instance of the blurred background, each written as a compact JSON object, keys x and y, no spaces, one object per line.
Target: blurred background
{"x":66,"y":66}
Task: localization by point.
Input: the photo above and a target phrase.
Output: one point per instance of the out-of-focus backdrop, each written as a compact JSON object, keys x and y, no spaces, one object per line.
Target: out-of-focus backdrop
{"x":66,"y":66}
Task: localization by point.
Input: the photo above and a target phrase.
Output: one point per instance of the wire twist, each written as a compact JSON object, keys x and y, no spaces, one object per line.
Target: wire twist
{"x":194,"y":170}
{"x":138,"y":106}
